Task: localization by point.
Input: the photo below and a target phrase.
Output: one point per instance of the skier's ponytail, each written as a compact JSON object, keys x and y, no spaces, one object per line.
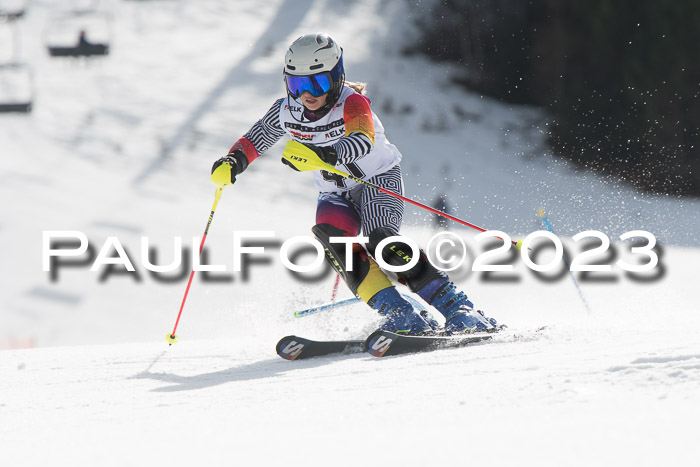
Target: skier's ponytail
{"x":357,"y":86}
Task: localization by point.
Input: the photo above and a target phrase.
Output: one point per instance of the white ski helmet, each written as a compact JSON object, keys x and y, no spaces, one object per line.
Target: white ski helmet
{"x":314,"y":63}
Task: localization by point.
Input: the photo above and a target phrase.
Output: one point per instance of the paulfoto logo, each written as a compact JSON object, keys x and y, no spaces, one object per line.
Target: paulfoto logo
{"x":492,"y":252}
{"x":645,"y":255}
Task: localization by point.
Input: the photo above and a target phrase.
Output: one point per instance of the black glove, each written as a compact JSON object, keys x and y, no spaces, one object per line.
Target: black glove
{"x":326,"y":153}
{"x":237,"y":161}
{"x":289,"y":164}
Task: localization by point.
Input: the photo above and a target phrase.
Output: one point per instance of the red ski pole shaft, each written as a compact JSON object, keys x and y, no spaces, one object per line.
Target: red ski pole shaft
{"x":171,"y":337}
{"x":416,"y":203}
{"x":335,"y":288}
{"x":302,"y":157}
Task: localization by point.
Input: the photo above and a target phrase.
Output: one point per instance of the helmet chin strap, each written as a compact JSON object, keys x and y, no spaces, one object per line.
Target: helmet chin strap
{"x":289,"y":104}
{"x":319,"y":113}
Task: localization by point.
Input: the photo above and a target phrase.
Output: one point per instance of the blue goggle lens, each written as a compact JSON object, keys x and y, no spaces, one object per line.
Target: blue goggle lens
{"x":316,"y":85}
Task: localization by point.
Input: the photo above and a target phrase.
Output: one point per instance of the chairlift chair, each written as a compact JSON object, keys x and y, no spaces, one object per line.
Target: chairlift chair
{"x":16,"y":88}
{"x":82,"y":33}
{"x":12,"y":10}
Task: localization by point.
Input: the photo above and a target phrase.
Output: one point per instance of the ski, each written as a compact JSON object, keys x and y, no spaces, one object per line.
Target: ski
{"x":384,"y":343}
{"x":298,"y":348}
{"x":379,"y":344}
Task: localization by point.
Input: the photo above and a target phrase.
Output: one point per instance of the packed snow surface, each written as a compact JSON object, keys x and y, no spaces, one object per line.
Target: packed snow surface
{"x":120,"y":147}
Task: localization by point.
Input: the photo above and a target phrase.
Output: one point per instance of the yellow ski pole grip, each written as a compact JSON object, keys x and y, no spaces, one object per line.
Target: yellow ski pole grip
{"x":221,"y":176}
{"x":304,"y":159}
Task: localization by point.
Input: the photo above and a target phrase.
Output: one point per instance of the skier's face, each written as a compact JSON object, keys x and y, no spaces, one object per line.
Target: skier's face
{"x":313,"y":103}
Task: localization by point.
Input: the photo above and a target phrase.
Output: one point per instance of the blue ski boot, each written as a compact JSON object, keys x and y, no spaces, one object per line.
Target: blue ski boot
{"x":456,"y":308}
{"x":401,"y":317}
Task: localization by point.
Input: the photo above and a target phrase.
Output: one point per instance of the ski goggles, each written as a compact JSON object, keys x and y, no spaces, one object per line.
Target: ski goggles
{"x":316,"y":85}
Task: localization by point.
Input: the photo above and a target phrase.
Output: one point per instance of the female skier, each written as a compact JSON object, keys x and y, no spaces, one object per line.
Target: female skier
{"x":333,"y":118}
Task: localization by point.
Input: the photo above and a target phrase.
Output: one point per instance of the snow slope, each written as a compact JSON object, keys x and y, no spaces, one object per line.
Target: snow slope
{"x":121,"y":147}
{"x":571,"y":398}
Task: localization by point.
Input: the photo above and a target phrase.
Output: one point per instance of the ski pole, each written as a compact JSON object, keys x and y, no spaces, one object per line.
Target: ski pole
{"x":408,"y":200}
{"x":171,"y":337}
{"x":343,"y":303}
{"x":330,"y":305}
{"x":335,"y":287}
{"x":327,"y":306}
{"x":548,"y":226}
{"x":311,"y":161}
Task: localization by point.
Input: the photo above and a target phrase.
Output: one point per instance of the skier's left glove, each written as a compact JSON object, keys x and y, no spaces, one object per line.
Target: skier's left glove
{"x":326,"y":153}
{"x":224,"y":170}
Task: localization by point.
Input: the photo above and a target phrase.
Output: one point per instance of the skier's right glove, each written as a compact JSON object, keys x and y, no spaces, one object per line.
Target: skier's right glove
{"x":224,"y":170}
